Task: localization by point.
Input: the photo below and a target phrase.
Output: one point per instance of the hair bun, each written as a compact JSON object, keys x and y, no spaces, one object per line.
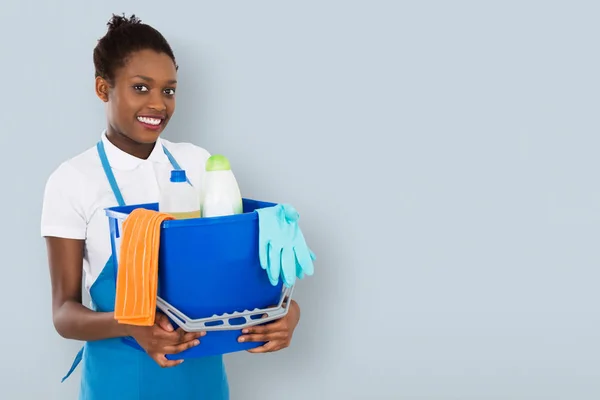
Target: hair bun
{"x":119,"y":21}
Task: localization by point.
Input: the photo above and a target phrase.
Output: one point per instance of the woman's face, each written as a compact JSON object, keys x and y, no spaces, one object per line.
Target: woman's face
{"x":141,"y":100}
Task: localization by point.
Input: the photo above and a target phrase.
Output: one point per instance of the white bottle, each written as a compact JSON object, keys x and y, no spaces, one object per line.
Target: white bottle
{"x":179,"y":198}
{"x":221,"y":193}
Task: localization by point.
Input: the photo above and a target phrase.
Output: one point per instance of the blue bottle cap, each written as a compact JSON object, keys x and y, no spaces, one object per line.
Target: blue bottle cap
{"x":178,"y":175}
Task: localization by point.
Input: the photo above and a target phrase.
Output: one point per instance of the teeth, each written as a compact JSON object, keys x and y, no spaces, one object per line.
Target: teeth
{"x":149,"y":121}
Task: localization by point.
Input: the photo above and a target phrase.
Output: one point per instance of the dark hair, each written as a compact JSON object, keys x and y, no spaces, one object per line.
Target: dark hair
{"x":124,"y":37}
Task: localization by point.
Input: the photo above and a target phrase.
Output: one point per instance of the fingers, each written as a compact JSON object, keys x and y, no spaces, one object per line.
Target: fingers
{"x":277,"y":330}
{"x":159,"y":335}
{"x":278,"y":325}
{"x":163,"y":321}
{"x":191,"y":340}
{"x":265,"y":337}
{"x":276,"y":336}
{"x":274,"y":263}
{"x":187,"y":336}
{"x":262,"y":255}
{"x":299,"y":272}
{"x":288,"y":261}
{"x":304,"y":259}
{"x":269,"y":347}
{"x":181,"y":347}
{"x":164,"y":361}
{"x":179,"y":336}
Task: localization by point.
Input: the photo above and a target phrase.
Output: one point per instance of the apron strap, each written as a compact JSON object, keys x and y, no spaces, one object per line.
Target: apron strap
{"x":76,"y":362}
{"x":111,"y":177}
{"x":174,"y":162}
{"x":109,"y":174}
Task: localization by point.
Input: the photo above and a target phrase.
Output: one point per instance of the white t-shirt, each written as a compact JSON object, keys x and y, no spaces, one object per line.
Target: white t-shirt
{"x":77,"y":193}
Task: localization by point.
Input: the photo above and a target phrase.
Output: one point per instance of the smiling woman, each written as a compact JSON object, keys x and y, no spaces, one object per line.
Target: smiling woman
{"x":142,"y":77}
{"x":136,"y":78}
{"x":146,"y":103}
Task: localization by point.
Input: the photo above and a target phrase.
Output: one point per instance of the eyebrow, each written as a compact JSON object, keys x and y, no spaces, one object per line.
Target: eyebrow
{"x":148,"y":79}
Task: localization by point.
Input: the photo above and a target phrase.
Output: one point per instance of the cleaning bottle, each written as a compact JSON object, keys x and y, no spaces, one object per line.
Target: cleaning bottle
{"x":221,"y":193}
{"x":179,"y":198}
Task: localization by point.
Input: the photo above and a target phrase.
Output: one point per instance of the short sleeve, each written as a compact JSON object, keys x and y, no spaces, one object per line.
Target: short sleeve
{"x":62,"y":209}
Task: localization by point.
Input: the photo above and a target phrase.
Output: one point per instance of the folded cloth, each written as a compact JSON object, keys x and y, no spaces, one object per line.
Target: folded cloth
{"x":137,"y":275}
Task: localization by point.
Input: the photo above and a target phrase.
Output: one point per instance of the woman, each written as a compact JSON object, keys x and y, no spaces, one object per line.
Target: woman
{"x":136,"y":78}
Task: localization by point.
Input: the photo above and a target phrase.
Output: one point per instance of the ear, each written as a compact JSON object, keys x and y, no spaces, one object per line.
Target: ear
{"x":102,"y":89}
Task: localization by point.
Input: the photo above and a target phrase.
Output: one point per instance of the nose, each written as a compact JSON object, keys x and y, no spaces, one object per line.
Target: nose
{"x":157,"y":102}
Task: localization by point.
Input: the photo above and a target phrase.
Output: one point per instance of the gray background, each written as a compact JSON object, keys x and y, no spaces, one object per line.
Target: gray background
{"x":443,"y":156}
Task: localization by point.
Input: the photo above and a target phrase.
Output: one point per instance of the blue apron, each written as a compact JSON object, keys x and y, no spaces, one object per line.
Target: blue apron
{"x":115,"y":370}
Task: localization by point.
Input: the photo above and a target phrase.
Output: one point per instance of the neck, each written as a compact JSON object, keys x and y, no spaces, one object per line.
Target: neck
{"x":139,"y":150}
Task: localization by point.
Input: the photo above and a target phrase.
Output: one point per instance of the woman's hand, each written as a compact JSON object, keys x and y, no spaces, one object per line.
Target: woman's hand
{"x":161,"y":339}
{"x":277,"y":334}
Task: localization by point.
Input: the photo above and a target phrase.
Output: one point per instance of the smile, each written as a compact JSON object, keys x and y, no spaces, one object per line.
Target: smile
{"x":150,"y":120}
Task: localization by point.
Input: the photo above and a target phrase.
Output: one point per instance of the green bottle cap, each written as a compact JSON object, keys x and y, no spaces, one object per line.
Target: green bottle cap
{"x":217,"y":162}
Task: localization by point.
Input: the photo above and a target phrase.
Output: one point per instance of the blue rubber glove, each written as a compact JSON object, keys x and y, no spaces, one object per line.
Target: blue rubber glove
{"x":282,"y":248}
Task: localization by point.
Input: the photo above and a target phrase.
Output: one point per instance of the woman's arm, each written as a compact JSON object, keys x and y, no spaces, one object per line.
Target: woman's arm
{"x":74,"y":321}
{"x":71,"y":319}
{"x":277,"y":334}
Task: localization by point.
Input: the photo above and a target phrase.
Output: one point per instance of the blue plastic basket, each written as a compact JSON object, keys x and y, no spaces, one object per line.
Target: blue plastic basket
{"x":210,"y":278}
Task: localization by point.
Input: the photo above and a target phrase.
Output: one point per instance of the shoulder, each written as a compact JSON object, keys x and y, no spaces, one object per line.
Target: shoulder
{"x":75,"y":170}
{"x":65,"y":196}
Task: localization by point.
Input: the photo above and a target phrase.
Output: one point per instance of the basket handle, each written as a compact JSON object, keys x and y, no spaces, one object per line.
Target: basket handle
{"x":221,"y":322}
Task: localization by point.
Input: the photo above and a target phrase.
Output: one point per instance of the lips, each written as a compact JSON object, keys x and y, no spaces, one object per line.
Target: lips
{"x":151,"y":121}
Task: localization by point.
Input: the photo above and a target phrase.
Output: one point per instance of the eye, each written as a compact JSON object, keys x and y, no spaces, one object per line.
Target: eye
{"x":170,"y":92}
{"x":140,"y":88}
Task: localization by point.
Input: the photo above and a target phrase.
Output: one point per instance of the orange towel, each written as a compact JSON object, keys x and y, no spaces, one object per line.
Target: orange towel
{"x":137,"y":276}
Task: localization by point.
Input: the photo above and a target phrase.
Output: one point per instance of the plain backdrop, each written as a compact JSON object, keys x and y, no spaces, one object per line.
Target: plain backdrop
{"x":443,"y":156}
